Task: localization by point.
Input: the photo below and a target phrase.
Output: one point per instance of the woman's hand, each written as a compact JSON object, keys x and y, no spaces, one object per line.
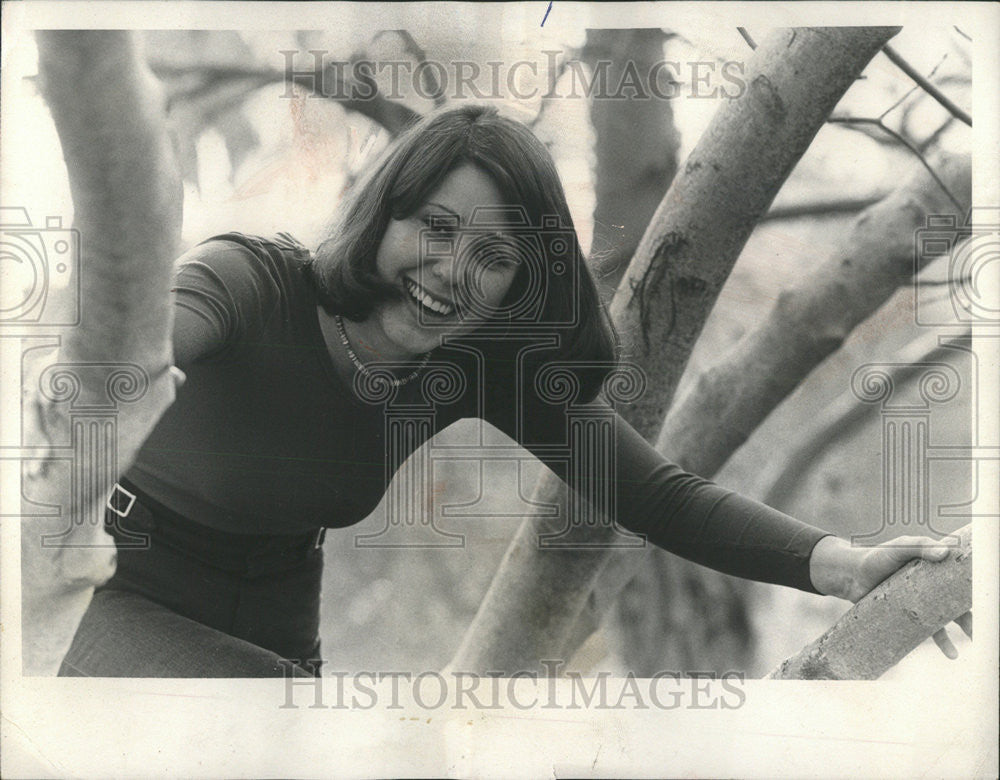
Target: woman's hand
{"x":839,"y":569}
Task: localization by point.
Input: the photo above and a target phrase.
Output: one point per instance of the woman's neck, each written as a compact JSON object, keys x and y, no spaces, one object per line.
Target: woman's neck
{"x":366,"y":340}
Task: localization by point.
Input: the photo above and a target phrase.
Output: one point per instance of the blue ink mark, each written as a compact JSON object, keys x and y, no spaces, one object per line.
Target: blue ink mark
{"x":546,"y":14}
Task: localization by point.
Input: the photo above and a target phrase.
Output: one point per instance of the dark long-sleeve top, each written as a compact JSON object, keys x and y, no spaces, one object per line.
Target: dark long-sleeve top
{"x":266,"y":438}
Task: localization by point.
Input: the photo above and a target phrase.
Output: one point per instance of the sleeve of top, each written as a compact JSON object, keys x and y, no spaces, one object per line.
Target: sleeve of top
{"x":675,"y":510}
{"x":228,"y":290}
{"x":708,"y":524}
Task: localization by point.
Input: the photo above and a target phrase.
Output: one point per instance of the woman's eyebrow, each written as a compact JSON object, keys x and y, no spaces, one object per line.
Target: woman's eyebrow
{"x":444,"y":208}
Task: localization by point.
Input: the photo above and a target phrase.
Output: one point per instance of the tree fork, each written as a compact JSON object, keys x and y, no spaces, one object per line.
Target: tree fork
{"x":729,"y":400}
{"x":795,"y":79}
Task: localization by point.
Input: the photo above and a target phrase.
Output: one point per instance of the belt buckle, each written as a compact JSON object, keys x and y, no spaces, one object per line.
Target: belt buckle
{"x":127,"y":493}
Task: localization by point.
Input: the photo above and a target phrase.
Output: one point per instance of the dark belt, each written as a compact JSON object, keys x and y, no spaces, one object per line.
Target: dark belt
{"x":138,"y":522}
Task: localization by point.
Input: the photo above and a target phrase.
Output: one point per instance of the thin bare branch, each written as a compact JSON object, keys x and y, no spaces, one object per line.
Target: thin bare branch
{"x":324,"y":82}
{"x":912,"y":89}
{"x":847,"y":120}
{"x":821,"y":208}
{"x":746,"y":37}
{"x":929,"y":88}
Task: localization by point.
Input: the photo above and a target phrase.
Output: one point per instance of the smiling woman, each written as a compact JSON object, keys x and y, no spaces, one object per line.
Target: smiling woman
{"x":486,"y":187}
{"x":407,"y":325}
{"x":453,"y":286}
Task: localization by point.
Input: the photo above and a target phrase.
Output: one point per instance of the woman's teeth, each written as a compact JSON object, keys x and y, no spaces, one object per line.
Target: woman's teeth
{"x":422,"y":297}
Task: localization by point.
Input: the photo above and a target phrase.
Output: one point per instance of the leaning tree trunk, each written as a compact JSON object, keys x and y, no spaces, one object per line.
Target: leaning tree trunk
{"x":809,"y":322}
{"x":728,"y":401}
{"x":635,"y":149}
{"x":795,"y":79}
{"x":111,"y":379}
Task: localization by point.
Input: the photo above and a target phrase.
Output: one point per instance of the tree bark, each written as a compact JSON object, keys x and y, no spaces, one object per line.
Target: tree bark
{"x":635,"y":150}
{"x":808,"y":323}
{"x":726,"y":403}
{"x":127,"y":202}
{"x":884,"y":626}
{"x":795,"y":79}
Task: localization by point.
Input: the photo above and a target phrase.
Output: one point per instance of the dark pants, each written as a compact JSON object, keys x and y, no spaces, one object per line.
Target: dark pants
{"x":189,"y":601}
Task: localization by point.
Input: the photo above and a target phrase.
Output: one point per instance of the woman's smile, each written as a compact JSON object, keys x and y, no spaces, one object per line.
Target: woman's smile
{"x":435,"y":288}
{"x":427,"y":302}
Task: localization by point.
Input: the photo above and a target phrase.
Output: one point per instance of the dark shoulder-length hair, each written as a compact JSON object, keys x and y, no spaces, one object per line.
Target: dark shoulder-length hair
{"x":343,"y":268}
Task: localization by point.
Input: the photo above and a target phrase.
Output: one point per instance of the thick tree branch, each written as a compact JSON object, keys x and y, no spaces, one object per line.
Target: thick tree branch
{"x":127,"y":202}
{"x":635,"y":150}
{"x":808,"y":323}
{"x":888,"y":623}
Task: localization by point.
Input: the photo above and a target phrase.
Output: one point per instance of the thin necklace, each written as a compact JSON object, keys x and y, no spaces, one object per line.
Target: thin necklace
{"x":363,"y":368}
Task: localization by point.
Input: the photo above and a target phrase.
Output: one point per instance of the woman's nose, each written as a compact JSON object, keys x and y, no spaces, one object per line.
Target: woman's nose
{"x":442,"y":268}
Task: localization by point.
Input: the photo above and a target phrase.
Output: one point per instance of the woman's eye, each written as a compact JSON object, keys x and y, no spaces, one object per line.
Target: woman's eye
{"x":438,"y":224}
{"x":497,"y":260}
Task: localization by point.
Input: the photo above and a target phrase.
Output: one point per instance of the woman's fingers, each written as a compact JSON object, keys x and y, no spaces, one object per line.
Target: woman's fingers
{"x":943,"y":641}
{"x":921,"y":547}
{"x":965,"y":623}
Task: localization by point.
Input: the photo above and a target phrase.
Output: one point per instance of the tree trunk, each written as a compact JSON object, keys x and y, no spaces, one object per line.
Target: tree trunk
{"x":127,"y":202}
{"x":636,"y":148}
{"x":728,"y":401}
{"x":882,"y":628}
{"x":794,"y":80}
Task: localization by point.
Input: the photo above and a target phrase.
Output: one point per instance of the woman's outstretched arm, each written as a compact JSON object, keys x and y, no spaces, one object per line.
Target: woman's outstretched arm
{"x":737,"y":535}
{"x":715,"y":527}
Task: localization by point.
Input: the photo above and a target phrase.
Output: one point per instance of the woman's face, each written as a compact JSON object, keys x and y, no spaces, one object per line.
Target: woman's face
{"x":444,"y":291}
